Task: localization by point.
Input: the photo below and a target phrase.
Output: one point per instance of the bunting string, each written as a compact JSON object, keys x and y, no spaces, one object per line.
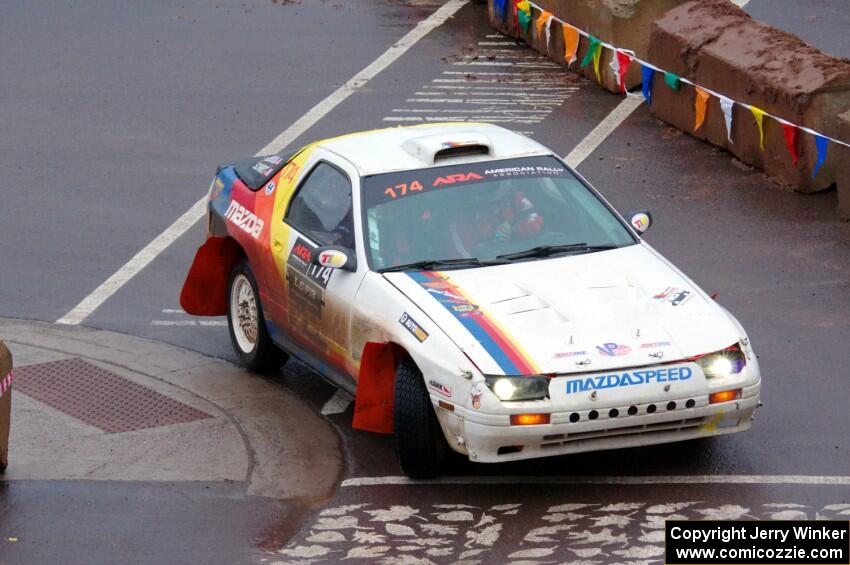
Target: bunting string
{"x":624,"y":57}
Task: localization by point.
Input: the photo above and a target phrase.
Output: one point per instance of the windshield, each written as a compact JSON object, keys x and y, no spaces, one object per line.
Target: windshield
{"x":487,"y":211}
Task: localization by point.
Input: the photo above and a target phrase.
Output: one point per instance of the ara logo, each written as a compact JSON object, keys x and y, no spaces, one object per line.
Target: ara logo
{"x":244,"y":219}
{"x":303,"y":252}
{"x":613,"y":349}
{"x":460,"y":177}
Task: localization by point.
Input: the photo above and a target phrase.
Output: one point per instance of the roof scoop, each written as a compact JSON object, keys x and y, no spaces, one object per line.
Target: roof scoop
{"x":432,"y":149}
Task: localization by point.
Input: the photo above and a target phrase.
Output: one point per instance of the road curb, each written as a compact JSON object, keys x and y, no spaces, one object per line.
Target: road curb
{"x":254,"y":431}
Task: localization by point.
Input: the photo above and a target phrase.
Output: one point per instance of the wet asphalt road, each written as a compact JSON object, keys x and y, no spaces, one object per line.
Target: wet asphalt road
{"x":118,"y":118}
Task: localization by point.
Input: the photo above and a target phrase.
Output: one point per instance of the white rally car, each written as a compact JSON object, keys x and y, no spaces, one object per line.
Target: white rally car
{"x":473,"y":292}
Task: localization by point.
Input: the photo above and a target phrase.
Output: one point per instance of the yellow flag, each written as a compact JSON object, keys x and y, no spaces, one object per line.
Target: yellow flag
{"x":759,"y":116}
{"x":596,"y":56}
{"x":700,"y":105}
{"x":570,"y":44}
{"x":541,"y":21}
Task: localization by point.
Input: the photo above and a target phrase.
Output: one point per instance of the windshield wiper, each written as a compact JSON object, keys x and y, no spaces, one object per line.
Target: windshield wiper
{"x":547,"y":250}
{"x":430,"y":264}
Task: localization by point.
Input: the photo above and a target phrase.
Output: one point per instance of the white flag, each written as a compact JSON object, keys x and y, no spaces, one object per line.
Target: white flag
{"x":615,"y":67}
{"x":548,"y":32}
{"x":726,"y":104}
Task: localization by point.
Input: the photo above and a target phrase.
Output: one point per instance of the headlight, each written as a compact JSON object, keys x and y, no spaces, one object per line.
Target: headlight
{"x":724,"y":363}
{"x":519,"y":388}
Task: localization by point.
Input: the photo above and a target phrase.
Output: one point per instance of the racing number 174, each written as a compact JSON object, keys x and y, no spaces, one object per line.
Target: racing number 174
{"x":403,"y":188}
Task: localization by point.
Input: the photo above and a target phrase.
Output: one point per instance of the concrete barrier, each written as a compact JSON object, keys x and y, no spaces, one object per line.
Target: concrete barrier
{"x":842,"y":158}
{"x":5,"y":406}
{"x":624,"y":23}
{"x":717,"y":45}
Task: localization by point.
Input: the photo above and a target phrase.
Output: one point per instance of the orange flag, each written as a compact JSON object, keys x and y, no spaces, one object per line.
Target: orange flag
{"x":570,"y":44}
{"x":541,"y":21}
{"x":700,"y":105}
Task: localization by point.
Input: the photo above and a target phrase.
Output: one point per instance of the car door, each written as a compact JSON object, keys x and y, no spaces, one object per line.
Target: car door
{"x":317,"y":310}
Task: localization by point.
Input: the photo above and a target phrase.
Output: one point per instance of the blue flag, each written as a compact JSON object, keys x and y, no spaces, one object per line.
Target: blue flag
{"x":821,"y":143}
{"x":499,"y":9}
{"x":647,"y":73}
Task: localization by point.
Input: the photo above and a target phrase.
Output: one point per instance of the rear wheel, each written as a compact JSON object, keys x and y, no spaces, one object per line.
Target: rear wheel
{"x":420,"y":443}
{"x":251,"y":342}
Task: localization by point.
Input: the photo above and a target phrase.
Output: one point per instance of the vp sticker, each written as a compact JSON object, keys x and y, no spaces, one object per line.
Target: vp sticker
{"x":414,"y":328}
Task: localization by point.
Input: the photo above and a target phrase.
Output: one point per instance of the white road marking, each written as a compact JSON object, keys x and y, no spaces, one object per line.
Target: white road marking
{"x":604,"y":534}
{"x":151,"y":251}
{"x":589,"y":144}
{"x":337,"y":404}
{"x":130,"y":269}
{"x":173,"y":311}
{"x":189,"y":323}
{"x":517,"y":91}
{"x":625,"y":480}
{"x":306,"y":121}
{"x":540,"y":65}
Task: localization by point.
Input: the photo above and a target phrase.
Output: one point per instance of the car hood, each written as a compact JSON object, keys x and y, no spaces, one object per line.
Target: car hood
{"x":625,"y":307}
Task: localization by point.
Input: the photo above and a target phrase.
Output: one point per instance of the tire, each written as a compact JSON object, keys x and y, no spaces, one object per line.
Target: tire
{"x":251,"y":343}
{"x":420,"y":443}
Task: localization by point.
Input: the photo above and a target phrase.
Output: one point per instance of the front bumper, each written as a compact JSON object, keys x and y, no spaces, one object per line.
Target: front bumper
{"x":489,"y":438}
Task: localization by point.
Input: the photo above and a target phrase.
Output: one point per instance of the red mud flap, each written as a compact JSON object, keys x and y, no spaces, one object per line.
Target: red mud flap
{"x":373,"y":405}
{"x":205,"y":290}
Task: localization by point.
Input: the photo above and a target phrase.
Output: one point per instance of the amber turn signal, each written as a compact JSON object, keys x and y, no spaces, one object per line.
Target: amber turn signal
{"x":724,"y":396}
{"x":529,"y":419}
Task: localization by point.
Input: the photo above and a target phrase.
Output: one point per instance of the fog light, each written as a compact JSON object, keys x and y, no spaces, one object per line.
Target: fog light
{"x":724,"y":396}
{"x":529,"y":419}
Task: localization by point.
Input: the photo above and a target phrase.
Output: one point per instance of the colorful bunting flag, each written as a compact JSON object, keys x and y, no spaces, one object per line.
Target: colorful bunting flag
{"x":758,"y":114}
{"x":821,"y":143}
{"x":591,"y":50}
{"x":673,"y":81}
{"x":523,"y":15}
{"x":596,"y":56}
{"x":570,"y":44}
{"x":500,"y":9}
{"x":790,"y":138}
{"x":543,"y":19}
{"x":647,"y":75}
{"x":614,"y":65}
{"x":623,"y":62}
{"x":516,"y":17}
{"x":700,"y":107}
{"x":727,"y":104}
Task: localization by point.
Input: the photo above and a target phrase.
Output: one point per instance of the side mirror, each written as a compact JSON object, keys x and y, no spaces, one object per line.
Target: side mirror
{"x":335,"y":257}
{"x":640,"y":220}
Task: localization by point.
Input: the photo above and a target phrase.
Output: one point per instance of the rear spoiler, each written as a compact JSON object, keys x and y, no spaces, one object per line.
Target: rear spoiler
{"x":257,"y":171}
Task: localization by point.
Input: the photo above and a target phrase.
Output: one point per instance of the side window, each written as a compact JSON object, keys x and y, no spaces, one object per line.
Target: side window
{"x":321,"y":208}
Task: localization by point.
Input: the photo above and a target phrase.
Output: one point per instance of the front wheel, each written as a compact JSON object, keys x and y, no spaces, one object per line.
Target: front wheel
{"x":420,"y":442}
{"x":251,"y":342}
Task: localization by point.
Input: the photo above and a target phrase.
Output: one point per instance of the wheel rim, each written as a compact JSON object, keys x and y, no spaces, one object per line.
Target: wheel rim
{"x":243,"y":313}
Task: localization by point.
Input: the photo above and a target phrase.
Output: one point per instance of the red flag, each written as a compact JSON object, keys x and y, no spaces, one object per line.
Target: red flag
{"x":625,"y":60}
{"x":516,"y":16}
{"x":790,"y":135}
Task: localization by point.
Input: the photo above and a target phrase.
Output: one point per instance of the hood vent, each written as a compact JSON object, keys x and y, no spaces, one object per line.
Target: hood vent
{"x":462,"y":151}
{"x":433,"y":148}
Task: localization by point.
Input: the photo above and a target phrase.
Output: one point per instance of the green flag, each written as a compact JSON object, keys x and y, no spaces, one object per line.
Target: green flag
{"x":591,"y":49}
{"x":673,"y":81}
